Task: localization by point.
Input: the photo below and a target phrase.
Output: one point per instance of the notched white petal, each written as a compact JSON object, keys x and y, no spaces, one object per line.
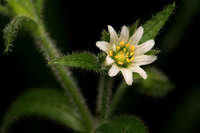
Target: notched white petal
{"x":104,"y":46}
{"x":124,"y":35}
{"x":144,"y":59}
{"x":145,"y":47}
{"x":139,"y":70}
{"x":135,"y":38}
{"x":128,"y":76}
{"x":113,"y":34}
{"x":114,"y":70}
{"x":109,"y":61}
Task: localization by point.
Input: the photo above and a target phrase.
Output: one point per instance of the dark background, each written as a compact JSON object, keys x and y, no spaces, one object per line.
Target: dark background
{"x":77,"y":25}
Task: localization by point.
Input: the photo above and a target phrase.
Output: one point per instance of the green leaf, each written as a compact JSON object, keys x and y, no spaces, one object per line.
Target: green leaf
{"x":133,"y":28}
{"x":153,"y":52}
{"x":23,"y":8}
{"x":123,"y":124}
{"x":48,"y":103}
{"x":11,"y":30}
{"x":153,"y":26}
{"x":156,"y":85}
{"x":82,"y":60}
{"x":105,"y":36}
{"x":4,"y":10}
{"x":39,"y":5}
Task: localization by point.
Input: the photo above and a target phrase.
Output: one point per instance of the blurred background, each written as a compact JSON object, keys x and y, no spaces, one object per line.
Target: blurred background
{"x":76,"y":26}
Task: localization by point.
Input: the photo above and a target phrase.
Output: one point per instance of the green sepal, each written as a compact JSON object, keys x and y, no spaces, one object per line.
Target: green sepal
{"x":153,"y":26}
{"x":105,"y":36}
{"x":83,"y":60}
{"x":123,"y":124}
{"x":49,"y":103}
{"x":153,"y":52}
{"x":133,"y":28}
{"x":11,"y":30}
{"x":156,"y":85}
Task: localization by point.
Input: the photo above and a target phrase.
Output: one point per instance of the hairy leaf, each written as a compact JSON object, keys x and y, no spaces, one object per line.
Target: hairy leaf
{"x":82,"y":60}
{"x":157,"y":83}
{"x":4,"y":10}
{"x":153,"y":26}
{"x":39,"y":5}
{"x":23,"y":8}
{"x":123,"y":124}
{"x":47,"y":103}
{"x":11,"y":30}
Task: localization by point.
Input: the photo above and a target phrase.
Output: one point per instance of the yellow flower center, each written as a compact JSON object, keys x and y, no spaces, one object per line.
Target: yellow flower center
{"x":123,"y":55}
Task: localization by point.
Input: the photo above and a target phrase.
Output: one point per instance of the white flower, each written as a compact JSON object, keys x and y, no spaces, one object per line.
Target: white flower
{"x":125,"y":55}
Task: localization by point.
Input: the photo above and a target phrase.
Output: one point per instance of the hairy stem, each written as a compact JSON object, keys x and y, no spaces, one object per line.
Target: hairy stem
{"x":63,"y":74}
{"x":121,"y":90}
{"x":104,"y":94}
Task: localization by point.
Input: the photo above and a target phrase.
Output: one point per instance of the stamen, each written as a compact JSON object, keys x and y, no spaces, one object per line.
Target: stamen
{"x":111,"y":53}
{"x":132,"y":58}
{"x":132,"y":53}
{"x":124,"y":49}
{"x":118,"y":47}
{"x":128,"y":60}
{"x":127,"y":45}
{"x":119,"y":62}
{"x":121,"y":43}
{"x":132,"y":47}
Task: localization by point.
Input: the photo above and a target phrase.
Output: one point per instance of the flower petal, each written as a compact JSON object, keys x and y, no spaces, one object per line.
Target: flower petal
{"x":104,"y":46}
{"x":114,"y":70}
{"x":124,"y":35}
{"x":128,"y":76}
{"x":109,"y":60}
{"x":113,"y":34}
{"x":145,"y":47}
{"x":139,"y":70}
{"x":144,"y":59}
{"x":135,"y":38}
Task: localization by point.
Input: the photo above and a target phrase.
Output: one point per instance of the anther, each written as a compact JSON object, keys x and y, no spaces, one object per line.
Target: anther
{"x":120,"y":63}
{"x":127,"y":45}
{"x":111,"y":53}
{"x":132,"y":48}
{"x":121,"y":43}
{"x":118,"y":47}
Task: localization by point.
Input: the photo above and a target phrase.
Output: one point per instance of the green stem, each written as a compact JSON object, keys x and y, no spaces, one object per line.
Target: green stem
{"x":4,"y":10}
{"x":104,"y":95}
{"x":63,"y":74}
{"x":121,"y":90}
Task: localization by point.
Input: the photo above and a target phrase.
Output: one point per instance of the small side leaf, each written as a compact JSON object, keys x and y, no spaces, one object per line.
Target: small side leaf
{"x":105,"y":36}
{"x":82,"y":60}
{"x":133,"y":28}
{"x":22,"y":8}
{"x":156,"y":85}
{"x":123,"y":124}
{"x":11,"y":30}
{"x":153,"y":52}
{"x":47,"y":103}
{"x":153,"y":26}
{"x":39,"y":5}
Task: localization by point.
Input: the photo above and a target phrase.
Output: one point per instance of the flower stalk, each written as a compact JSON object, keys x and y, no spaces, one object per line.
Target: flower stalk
{"x":63,"y":74}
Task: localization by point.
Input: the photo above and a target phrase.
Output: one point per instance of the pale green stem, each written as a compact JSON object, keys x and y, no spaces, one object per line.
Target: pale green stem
{"x":121,"y":90}
{"x":63,"y":74}
{"x":104,"y":94}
